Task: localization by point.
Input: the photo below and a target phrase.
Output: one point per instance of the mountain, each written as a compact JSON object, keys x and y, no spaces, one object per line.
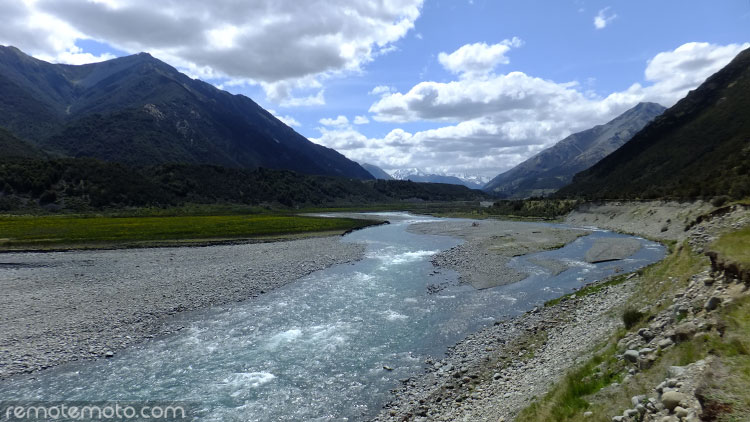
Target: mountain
{"x":700,"y":147}
{"x":12,"y":147}
{"x":139,"y":111}
{"x":555,"y":167}
{"x":376,"y":171}
{"x":418,"y":175}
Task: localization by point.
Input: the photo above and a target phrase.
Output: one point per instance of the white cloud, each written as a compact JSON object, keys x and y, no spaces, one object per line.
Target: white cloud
{"x":276,"y":43}
{"x":286,"y":119}
{"x":603,"y":18}
{"x":382,"y":89}
{"x":489,"y":123}
{"x":76,"y":56}
{"x":339,"y":121}
{"x":361,"y":120}
{"x":478,"y":59}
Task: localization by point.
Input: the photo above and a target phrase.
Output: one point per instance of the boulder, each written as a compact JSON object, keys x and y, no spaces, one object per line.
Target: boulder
{"x":712,"y":303}
{"x":672,"y":399}
{"x":684,"y":331}
{"x":631,"y":356}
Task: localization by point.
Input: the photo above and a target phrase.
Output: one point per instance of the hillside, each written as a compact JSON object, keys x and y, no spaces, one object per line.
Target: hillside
{"x":376,"y":171}
{"x":80,"y":184}
{"x":10,"y":146}
{"x":698,"y":148}
{"x":138,"y":110}
{"x":555,"y":167}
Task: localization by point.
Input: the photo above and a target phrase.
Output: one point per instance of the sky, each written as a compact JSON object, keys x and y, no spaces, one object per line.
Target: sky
{"x":455,"y":87}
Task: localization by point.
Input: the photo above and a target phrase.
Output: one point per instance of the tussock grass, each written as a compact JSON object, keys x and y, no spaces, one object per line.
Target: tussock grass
{"x":631,"y":317}
{"x":725,"y":385}
{"x":734,"y":246}
{"x":567,"y":401}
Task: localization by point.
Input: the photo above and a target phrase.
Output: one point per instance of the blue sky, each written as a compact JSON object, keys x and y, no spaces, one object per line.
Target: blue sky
{"x":465,"y":86}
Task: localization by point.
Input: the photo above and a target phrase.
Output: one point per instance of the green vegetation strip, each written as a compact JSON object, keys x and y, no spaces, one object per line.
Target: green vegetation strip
{"x":51,"y":232}
{"x":589,"y":289}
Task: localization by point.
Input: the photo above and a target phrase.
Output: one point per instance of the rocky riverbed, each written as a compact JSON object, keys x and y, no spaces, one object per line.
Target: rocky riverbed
{"x":67,"y":306}
{"x":495,"y":373}
{"x":490,"y":244}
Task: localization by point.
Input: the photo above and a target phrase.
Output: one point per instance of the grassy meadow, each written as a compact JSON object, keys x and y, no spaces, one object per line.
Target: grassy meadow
{"x":63,"y":232}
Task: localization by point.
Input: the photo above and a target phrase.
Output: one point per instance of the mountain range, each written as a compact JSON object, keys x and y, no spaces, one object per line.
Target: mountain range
{"x":418,"y":175}
{"x":555,"y":167}
{"x":138,"y":110}
{"x":700,"y":147}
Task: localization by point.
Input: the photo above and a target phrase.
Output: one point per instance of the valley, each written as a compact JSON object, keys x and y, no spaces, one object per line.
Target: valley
{"x":405,"y":211}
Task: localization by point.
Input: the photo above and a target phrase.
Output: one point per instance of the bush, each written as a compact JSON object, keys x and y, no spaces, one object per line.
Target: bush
{"x":719,"y":200}
{"x":631,"y":318}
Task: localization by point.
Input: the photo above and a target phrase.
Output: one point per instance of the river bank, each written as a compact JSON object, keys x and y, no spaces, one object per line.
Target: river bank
{"x":62,"y":307}
{"x":496,"y":373}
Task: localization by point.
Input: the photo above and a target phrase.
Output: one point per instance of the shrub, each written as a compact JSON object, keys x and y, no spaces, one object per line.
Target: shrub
{"x":631,"y":317}
{"x":719,"y":200}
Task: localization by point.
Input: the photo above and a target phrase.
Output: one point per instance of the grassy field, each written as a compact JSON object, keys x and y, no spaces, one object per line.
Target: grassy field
{"x":63,"y":232}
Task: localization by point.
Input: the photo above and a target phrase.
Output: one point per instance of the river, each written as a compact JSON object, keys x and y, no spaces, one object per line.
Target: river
{"x":327,"y":347}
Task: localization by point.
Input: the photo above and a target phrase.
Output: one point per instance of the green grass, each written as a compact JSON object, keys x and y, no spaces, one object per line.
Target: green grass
{"x":52,"y":232}
{"x":725,"y":384}
{"x":734,"y":247}
{"x":589,"y":289}
{"x":632,"y":317}
{"x":568,"y":400}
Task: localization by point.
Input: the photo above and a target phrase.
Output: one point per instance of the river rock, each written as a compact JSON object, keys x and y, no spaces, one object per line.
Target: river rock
{"x":663,"y":344}
{"x":675,"y":371}
{"x":712,"y":303}
{"x":684,"y":331}
{"x":631,"y":356}
{"x":672,"y":399}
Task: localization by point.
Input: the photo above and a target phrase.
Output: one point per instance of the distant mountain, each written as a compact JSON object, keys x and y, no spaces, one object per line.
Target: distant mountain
{"x":418,"y":175}
{"x":139,"y":111}
{"x":698,"y":148}
{"x":12,"y":147}
{"x":474,"y":179}
{"x":376,"y":171}
{"x":555,"y":167}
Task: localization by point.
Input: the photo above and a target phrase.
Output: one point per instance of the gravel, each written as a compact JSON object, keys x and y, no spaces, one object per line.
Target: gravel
{"x":65,"y":306}
{"x":612,"y":249}
{"x":654,"y":219}
{"x":488,"y":246}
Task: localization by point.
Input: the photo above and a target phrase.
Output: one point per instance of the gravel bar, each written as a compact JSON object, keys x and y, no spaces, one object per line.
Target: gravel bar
{"x":66,"y":306}
{"x":488,"y":246}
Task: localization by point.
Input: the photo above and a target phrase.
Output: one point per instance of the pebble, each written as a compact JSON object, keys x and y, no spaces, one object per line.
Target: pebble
{"x":118,"y":294}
